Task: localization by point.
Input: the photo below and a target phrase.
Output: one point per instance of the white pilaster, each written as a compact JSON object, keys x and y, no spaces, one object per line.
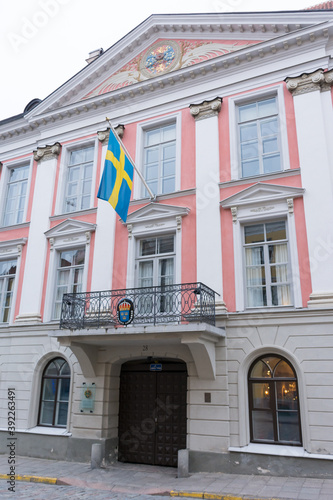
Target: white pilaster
{"x":37,"y":244}
{"x":208,"y":219}
{"x":313,"y":110}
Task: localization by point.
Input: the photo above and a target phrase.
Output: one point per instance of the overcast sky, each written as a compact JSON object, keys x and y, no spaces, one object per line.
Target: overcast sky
{"x":43,"y":43}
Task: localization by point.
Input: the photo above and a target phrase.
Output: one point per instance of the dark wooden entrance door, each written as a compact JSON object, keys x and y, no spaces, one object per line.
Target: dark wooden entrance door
{"x":152,"y":412}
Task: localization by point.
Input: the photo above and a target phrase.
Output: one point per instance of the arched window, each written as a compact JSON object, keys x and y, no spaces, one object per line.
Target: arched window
{"x":274,"y":404}
{"x":55,"y":394}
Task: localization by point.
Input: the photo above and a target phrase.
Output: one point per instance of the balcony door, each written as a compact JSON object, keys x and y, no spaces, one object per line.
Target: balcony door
{"x":156,"y":267}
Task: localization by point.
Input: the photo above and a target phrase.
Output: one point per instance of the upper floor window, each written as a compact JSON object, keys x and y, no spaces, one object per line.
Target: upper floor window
{"x":156,"y":261}
{"x":55,"y":394}
{"x":7,"y":277}
{"x":267,"y":273}
{"x":259,"y":140}
{"x":274,"y":406}
{"x":69,"y":276}
{"x":79,"y":179}
{"x":16,"y":195}
{"x":160,"y":159}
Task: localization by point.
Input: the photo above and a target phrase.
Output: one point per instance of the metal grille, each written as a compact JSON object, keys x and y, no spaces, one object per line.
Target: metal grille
{"x":152,"y":305}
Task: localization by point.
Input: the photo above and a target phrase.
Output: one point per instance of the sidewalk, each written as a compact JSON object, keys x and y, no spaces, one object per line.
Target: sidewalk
{"x":150,"y":480}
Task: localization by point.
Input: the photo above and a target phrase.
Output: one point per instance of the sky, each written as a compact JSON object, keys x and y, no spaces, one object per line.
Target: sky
{"x":43,"y":43}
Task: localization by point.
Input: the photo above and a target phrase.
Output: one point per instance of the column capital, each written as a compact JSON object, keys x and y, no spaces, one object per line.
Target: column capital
{"x":103,"y":135}
{"x":47,"y":152}
{"x":309,"y":82}
{"x":206,"y":109}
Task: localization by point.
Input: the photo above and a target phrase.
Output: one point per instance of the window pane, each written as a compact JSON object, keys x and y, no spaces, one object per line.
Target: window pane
{"x":168,"y":185}
{"x":248,"y":132}
{"x":165,"y":272}
{"x":46,"y":417}
{"x":262,"y":425}
{"x":64,"y":389}
{"x":73,"y":174}
{"x":148,"y":247}
{"x":7,"y":267}
{"x":256,"y":297}
{"x":165,"y":244}
{"x":281,"y":295}
{"x":146,"y":273}
{"x":270,"y":146}
{"x":249,"y":150}
{"x":169,"y":169}
{"x":261,"y":395}
{"x":286,"y":395}
{"x":250,"y":168}
{"x":271,"y":163}
{"x":255,"y":276}
{"x":276,"y":231}
{"x":169,"y":133}
{"x":261,"y":370}
{"x":61,"y":417}
{"x":169,"y":151}
{"x":151,"y":172}
{"x":267,"y":107}
{"x":78,"y":257}
{"x":49,"y":389}
{"x":289,"y":427}
{"x":247,"y":112}
{"x":269,"y":127}
{"x":153,"y":137}
{"x":283,"y":369}
{"x":152,"y":155}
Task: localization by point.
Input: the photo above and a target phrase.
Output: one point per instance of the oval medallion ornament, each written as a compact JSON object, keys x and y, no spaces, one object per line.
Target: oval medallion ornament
{"x":162,"y":57}
{"x":125,"y":311}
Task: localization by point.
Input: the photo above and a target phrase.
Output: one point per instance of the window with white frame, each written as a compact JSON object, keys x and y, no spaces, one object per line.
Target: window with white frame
{"x":267,"y":268}
{"x":259,"y":137}
{"x":7,"y":278}
{"x":16,"y":195}
{"x":79,"y":179}
{"x":159,"y":163}
{"x":69,"y":276}
{"x":156,"y":267}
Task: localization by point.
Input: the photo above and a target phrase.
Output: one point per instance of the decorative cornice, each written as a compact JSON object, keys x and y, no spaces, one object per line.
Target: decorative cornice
{"x":206,"y":109}
{"x":103,"y":135}
{"x":309,"y":82}
{"x":47,"y":152}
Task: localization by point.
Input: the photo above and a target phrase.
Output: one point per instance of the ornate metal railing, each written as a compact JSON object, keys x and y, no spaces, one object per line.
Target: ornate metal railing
{"x":182,"y":303}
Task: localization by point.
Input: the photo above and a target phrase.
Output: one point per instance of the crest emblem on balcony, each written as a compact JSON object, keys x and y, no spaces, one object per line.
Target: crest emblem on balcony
{"x":125,"y":311}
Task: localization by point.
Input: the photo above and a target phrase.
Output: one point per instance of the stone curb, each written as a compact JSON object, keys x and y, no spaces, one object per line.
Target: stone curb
{"x":213,"y":496}
{"x":31,"y":479}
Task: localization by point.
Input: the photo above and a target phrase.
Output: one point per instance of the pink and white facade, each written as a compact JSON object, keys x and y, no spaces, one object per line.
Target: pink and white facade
{"x":229,"y":117}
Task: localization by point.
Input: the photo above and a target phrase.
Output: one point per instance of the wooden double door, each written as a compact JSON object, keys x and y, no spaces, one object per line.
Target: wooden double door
{"x":152,"y":411}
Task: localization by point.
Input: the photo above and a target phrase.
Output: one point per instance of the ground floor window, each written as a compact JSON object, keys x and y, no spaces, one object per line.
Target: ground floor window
{"x":274,"y":402}
{"x":55,"y":394}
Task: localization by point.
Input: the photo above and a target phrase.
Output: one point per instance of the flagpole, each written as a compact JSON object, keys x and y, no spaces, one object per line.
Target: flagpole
{"x":151,"y":194}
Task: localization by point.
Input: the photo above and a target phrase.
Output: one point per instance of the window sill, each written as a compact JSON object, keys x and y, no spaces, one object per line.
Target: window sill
{"x":278,"y":450}
{"x":15,"y":226}
{"x":260,"y":178}
{"x":51,"y":431}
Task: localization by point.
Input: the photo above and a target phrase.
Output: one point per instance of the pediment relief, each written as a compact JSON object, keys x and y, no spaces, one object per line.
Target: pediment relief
{"x":70,"y":227}
{"x":262,"y":193}
{"x":156,"y":212}
{"x":165,"y":56}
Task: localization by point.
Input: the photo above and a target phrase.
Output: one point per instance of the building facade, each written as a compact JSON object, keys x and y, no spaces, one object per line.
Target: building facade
{"x":226,"y":350}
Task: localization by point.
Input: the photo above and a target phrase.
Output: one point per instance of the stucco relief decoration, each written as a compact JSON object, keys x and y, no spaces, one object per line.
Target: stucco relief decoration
{"x":165,"y":56}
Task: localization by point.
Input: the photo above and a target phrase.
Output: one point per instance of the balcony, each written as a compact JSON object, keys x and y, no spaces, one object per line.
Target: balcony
{"x":156,"y":305}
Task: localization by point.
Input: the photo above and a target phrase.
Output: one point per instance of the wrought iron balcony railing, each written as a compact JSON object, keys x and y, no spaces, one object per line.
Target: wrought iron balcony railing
{"x":139,"y":306}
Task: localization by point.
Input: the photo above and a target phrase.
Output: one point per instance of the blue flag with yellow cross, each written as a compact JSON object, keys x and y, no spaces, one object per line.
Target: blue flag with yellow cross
{"x":117,"y":179}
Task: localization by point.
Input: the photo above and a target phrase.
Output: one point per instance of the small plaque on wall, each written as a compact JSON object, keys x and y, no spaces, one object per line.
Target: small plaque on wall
{"x":88,"y":398}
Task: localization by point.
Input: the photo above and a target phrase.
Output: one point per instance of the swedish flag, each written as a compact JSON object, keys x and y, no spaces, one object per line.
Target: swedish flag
{"x":117,"y":178}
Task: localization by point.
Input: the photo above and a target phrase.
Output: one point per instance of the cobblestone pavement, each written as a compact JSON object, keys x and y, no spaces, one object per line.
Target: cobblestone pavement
{"x":143,"y":482}
{"x":34,"y":491}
